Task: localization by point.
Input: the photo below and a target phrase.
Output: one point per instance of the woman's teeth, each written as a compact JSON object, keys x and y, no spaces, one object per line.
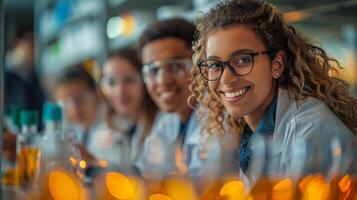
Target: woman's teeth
{"x":237,"y":93}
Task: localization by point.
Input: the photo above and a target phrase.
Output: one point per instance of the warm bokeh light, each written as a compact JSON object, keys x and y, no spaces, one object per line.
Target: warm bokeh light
{"x":283,"y":190}
{"x":124,"y":25}
{"x":73,"y":161}
{"x":345,"y":187}
{"x":295,"y":16}
{"x":159,"y":197}
{"x":130,"y":24}
{"x":315,"y":188}
{"x":345,"y":183}
{"x":119,"y":185}
{"x":231,"y":189}
{"x":82,"y":164}
{"x":62,"y":186}
{"x":303,"y":183}
{"x":103,"y":163}
{"x":180,"y":189}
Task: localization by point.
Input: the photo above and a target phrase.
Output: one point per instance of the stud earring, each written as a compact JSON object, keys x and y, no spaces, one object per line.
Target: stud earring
{"x":276,"y":74}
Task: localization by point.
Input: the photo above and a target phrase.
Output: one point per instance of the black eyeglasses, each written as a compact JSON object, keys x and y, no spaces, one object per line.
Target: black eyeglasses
{"x":240,"y":65}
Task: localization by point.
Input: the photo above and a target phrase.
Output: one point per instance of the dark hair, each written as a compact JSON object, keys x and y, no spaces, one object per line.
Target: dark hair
{"x":150,"y":108}
{"x":175,"y":27}
{"x":24,"y":32}
{"x":129,"y":54}
{"x":75,"y":73}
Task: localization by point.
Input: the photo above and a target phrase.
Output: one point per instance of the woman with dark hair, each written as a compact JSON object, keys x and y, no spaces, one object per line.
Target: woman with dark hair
{"x":125,"y":92}
{"x":254,"y":66}
{"x":75,"y":90}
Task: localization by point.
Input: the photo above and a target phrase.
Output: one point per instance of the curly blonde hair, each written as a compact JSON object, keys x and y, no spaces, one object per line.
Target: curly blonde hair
{"x":306,"y":72}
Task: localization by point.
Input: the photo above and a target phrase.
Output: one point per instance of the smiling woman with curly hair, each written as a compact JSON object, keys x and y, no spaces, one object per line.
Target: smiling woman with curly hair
{"x":257,"y":75}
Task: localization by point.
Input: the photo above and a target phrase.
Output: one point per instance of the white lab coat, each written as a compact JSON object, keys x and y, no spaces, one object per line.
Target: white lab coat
{"x":106,"y":143}
{"x":305,"y":119}
{"x":158,"y":157}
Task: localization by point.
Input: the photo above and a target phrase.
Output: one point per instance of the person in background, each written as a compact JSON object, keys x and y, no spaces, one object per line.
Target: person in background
{"x":22,"y":85}
{"x":251,"y":63}
{"x":76,"y":91}
{"x":125,"y":92}
{"x":174,"y":142}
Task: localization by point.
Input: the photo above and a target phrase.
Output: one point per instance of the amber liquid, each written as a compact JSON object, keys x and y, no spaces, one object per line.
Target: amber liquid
{"x":25,"y":170}
{"x":11,"y":177}
{"x":268,"y":189}
{"x":27,"y":164}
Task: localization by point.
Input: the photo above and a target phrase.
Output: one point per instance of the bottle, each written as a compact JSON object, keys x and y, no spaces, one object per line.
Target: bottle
{"x":57,"y":175}
{"x":24,"y":168}
{"x":12,"y":118}
{"x":53,"y":148}
{"x":8,"y":164}
{"x":27,"y":145}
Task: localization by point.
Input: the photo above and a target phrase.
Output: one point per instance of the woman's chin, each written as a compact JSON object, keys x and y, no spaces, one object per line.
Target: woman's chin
{"x":236,"y":113}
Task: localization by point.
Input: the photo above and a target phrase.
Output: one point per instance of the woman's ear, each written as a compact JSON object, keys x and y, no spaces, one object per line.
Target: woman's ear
{"x":278,"y":64}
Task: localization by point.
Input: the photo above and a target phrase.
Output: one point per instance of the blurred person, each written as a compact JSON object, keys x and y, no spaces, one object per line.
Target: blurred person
{"x":22,"y":88}
{"x":251,"y":63}
{"x":125,"y":91}
{"x":174,"y":143}
{"x":22,"y":85}
{"x":84,"y":111}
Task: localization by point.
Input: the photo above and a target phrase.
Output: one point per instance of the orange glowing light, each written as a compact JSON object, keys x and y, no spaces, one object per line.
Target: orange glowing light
{"x":73,"y":161}
{"x":283,"y":185}
{"x":283,"y":190}
{"x":63,"y":187}
{"x":345,"y":183}
{"x":130,"y":24}
{"x":159,"y":197}
{"x":317,"y":188}
{"x":295,"y":16}
{"x":304,"y":182}
{"x":180,"y":189}
{"x":103,"y":163}
{"x":119,"y":185}
{"x":233,"y":188}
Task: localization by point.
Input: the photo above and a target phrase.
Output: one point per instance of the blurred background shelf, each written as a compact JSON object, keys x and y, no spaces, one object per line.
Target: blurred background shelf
{"x":72,"y":31}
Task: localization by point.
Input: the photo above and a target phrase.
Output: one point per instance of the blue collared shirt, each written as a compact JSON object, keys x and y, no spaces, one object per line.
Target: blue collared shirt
{"x":266,"y":126}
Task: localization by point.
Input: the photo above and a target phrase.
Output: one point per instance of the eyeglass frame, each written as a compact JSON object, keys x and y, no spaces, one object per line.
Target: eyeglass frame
{"x":102,"y":83}
{"x":227,"y":64}
{"x":78,"y":99}
{"x":146,"y":67}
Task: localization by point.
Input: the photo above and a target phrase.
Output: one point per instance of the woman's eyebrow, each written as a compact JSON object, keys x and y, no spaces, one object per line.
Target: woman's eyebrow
{"x":213,"y":58}
{"x":240,"y":51}
{"x":234,"y":53}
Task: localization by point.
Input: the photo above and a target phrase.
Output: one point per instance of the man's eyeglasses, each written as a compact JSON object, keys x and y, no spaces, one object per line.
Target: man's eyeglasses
{"x":240,"y":65}
{"x":177,"y":67}
{"x":107,"y":83}
{"x":77,"y":100}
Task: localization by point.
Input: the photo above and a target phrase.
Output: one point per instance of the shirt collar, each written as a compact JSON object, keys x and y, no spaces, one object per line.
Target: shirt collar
{"x":267,"y":124}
